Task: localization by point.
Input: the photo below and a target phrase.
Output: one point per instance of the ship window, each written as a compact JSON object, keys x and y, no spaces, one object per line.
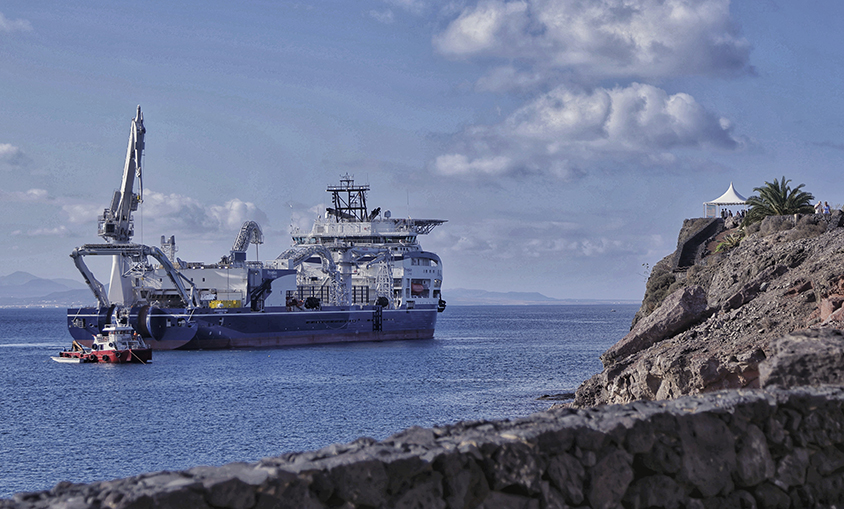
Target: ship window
{"x":420,"y":288}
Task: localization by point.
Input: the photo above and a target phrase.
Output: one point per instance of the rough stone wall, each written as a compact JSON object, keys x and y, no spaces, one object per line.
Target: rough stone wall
{"x":691,"y":248}
{"x":692,"y":240}
{"x":772,"y":448}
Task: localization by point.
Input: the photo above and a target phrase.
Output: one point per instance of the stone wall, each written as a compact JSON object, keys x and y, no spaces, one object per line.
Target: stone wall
{"x":692,"y":240}
{"x":772,"y":448}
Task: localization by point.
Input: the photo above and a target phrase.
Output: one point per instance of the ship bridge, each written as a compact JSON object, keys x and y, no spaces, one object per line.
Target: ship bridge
{"x":350,"y":222}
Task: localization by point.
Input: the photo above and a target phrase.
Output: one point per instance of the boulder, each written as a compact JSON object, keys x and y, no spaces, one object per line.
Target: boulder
{"x":806,"y":357}
{"x":830,"y":305}
{"x":680,"y":310}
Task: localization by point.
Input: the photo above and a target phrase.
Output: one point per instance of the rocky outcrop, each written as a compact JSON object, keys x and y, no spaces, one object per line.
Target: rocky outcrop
{"x":786,"y":276}
{"x":767,"y":449}
{"x":685,"y":307}
{"x":805,"y":358}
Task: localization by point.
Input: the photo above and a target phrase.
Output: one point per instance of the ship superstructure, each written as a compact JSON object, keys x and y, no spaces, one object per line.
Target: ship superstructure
{"x":356,"y":276}
{"x":377,"y":257}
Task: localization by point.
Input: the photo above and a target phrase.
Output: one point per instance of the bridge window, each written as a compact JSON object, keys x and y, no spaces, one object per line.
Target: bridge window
{"x":420,"y":288}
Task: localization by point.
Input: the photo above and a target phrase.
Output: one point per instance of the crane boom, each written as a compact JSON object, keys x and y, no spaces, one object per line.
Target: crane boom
{"x":115,"y":225}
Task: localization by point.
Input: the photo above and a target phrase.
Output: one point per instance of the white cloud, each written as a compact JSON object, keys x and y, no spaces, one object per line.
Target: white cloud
{"x":412,"y":6}
{"x":507,"y":78}
{"x":14,"y":25}
{"x":302,"y":216}
{"x":385,"y":16}
{"x":514,"y":240}
{"x":563,"y":131}
{"x":602,"y":38}
{"x":81,"y":213}
{"x":235,"y":212}
{"x":11,"y":155}
{"x":59,"y":231}
{"x":484,"y":28}
{"x":175,"y":213}
{"x":638,"y":117}
{"x":388,"y":16}
{"x":32,"y":195}
{"x":459,"y":164}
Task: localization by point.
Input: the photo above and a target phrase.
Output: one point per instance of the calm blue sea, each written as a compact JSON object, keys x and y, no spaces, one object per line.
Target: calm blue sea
{"x":84,"y":423}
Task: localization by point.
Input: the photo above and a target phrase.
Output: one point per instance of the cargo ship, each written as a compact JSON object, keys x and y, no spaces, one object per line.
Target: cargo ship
{"x":358,"y":275}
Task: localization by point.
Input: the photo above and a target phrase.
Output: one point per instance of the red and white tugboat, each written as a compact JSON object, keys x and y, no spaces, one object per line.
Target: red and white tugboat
{"x":118,"y":344}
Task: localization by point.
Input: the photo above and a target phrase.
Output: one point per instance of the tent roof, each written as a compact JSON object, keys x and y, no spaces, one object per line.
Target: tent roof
{"x":731,"y":197}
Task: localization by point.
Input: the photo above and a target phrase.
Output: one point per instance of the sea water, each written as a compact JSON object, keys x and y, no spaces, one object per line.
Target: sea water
{"x":90,"y":422}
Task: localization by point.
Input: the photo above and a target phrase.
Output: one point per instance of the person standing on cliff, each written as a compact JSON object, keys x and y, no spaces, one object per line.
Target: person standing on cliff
{"x":818,"y":207}
{"x":826,"y":210}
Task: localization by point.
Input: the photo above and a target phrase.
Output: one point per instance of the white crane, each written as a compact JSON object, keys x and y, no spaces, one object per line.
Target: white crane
{"x":115,"y":225}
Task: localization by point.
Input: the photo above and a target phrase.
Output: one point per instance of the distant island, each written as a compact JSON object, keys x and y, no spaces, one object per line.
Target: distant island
{"x":467,"y":297}
{"x":22,"y":289}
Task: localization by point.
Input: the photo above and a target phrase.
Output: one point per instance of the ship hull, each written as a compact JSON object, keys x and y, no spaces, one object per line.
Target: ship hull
{"x":209,"y":329}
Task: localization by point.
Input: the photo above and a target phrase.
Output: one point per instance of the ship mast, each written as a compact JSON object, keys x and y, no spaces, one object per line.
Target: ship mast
{"x":349,"y":200}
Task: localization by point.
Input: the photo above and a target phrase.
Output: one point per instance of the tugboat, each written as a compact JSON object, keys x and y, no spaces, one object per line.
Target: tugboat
{"x":119,"y":344}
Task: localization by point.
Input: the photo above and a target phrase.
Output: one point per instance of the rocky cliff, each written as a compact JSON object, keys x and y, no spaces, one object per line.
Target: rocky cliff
{"x":709,"y":318}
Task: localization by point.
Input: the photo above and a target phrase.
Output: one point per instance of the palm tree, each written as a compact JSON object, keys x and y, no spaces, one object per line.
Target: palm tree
{"x":777,"y":199}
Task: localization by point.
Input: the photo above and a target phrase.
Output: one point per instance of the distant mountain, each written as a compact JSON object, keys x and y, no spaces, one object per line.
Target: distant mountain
{"x":17,"y":278}
{"x":466,"y":297}
{"x":70,"y":283}
{"x":20,"y":289}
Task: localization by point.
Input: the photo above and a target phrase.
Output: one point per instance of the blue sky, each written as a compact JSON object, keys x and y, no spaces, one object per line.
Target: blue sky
{"x":564,"y":141}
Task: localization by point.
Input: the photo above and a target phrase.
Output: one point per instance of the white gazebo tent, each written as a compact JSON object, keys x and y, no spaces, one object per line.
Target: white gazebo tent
{"x":730,"y":198}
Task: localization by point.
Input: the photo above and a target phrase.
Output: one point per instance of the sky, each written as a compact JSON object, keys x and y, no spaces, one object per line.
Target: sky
{"x":564,"y":141}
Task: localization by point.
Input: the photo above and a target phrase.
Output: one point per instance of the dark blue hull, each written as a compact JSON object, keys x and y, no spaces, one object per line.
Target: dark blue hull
{"x":170,"y":329}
